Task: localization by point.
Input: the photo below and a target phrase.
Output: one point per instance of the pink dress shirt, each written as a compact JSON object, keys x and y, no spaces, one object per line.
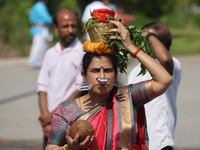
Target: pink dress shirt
{"x":60,"y":74}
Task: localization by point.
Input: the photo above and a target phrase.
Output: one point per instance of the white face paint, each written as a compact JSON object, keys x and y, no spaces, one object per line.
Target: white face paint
{"x":66,"y":16}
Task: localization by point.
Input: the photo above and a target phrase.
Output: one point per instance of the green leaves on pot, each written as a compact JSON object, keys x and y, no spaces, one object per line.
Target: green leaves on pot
{"x":138,"y":39}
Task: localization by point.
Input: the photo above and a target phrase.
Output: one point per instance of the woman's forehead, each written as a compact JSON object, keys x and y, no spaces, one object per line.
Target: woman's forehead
{"x":98,"y":62}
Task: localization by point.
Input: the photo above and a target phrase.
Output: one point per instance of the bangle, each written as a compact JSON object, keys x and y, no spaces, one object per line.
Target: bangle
{"x":64,"y":147}
{"x":134,"y":55}
{"x":151,"y":34}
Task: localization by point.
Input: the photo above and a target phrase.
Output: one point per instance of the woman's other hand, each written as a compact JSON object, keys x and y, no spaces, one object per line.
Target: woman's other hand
{"x":73,"y":144}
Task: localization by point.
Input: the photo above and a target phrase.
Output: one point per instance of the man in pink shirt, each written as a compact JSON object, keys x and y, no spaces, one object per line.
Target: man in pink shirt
{"x":60,"y":74}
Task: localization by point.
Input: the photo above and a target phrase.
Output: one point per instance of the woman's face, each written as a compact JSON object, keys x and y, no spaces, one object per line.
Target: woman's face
{"x":100,"y":68}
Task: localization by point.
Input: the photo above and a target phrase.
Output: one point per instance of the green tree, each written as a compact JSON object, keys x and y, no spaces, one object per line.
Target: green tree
{"x":15,"y":25}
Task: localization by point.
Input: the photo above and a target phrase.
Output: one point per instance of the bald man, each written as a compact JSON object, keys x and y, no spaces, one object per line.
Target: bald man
{"x":161,"y":113}
{"x":60,"y":73}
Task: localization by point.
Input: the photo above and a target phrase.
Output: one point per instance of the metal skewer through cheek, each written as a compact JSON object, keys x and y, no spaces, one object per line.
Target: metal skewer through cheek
{"x":87,"y":86}
{"x":102,"y":80}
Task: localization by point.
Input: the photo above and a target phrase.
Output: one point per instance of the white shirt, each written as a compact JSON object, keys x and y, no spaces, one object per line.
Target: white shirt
{"x":161,"y":112}
{"x":89,"y":8}
{"x":60,"y":74}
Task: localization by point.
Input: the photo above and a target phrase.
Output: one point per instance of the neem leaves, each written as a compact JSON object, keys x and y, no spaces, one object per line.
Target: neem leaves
{"x":137,"y":38}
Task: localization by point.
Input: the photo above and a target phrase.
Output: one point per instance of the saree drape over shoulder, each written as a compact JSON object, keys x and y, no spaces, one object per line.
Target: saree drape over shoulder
{"x":128,"y":121}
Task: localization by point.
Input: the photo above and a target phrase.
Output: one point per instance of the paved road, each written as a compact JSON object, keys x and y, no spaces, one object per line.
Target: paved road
{"x":20,"y":129}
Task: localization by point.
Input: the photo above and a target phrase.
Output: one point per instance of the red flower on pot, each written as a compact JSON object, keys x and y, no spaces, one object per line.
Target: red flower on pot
{"x":103,"y":15}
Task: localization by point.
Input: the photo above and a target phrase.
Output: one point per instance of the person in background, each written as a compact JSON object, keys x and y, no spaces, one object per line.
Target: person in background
{"x":121,"y":14}
{"x":96,"y":4}
{"x":161,"y":113}
{"x":40,"y":20}
{"x":110,"y":4}
{"x":60,"y":74}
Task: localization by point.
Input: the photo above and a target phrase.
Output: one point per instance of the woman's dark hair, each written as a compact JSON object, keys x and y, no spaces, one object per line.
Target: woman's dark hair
{"x":87,"y":58}
{"x":164,"y":37}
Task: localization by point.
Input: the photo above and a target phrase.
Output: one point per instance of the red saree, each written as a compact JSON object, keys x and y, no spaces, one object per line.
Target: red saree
{"x":128,"y":125}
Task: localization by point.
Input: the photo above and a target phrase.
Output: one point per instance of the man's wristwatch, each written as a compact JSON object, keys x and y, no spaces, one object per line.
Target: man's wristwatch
{"x":151,"y":34}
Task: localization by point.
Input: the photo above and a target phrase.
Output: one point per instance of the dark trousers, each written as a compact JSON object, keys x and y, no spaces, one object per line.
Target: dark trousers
{"x":167,"y":148}
{"x":45,"y":139}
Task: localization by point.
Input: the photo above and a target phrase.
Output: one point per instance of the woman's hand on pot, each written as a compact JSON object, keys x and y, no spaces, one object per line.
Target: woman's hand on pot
{"x":124,"y":36}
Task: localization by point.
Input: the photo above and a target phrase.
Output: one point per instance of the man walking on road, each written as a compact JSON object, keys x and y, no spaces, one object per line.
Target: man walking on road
{"x":40,"y":19}
{"x":60,"y":74}
{"x":161,"y":113}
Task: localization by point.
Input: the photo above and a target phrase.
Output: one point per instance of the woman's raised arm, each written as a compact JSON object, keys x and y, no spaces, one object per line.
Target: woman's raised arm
{"x":160,"y":77}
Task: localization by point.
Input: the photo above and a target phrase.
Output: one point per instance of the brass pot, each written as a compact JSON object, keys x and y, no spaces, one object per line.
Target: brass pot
{"x":97,"y":31}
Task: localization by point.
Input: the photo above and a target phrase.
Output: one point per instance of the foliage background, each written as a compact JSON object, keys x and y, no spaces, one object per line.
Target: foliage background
{"x":181,"y":16}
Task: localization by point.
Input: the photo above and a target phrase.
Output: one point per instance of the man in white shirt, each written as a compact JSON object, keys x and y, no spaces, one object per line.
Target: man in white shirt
{"x":161,"y":113}
{"x":60,"y":74}
{"x":96,"y":4}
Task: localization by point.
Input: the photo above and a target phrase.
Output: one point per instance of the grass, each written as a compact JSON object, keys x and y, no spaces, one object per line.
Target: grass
{"x":185,"y":41}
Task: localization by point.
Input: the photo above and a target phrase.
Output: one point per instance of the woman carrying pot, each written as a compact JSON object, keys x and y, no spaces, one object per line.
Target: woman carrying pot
{"x":116,"y":113}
